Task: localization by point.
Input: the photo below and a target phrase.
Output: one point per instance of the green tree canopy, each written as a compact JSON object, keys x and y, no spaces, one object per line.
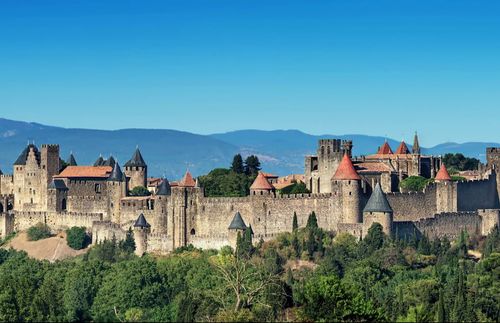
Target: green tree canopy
{"x":237,"y":164}
{"x":139,"y":191}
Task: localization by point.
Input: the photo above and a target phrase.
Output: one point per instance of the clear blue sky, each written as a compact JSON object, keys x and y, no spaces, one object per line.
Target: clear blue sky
{"x":339,"y":67}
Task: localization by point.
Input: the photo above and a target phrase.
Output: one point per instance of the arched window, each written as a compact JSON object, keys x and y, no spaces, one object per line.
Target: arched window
{"x":63,"y":204}
{"x":97,"y":188}
{"x":193,"y":232}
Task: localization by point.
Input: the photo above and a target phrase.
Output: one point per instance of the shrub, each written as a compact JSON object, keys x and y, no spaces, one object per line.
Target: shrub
{"x":414,"y":183}
{"x":38,"y":232}
{"x":139,"y":191}
{"x":77,"y":238}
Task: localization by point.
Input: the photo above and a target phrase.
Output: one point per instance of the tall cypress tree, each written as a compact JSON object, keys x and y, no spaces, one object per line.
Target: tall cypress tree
{"x":295,"y":224}
{"x":440,"y":313}
{"x":460,"y":305}
{"x":237,"y":164}
{"x":312,"y":221}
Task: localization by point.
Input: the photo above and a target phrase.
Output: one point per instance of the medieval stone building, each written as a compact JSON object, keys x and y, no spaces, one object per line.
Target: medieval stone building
{"x":348,"y":195}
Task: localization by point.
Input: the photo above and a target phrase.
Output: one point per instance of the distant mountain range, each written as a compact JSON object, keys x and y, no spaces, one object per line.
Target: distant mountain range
{"x":170,"y":152}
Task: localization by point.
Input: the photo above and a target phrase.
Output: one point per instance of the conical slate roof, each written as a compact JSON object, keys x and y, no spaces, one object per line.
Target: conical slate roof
{"x":57,"y":184}
{"x":116,"y":174}
{"x":109,"y":162}
{"x":187,"y":180}
{"x":402,"y":149}
{"x":71,"y":160}
{"x":99,"y":161}
{"x":21,"y":160}
{"x":164,"y":188}
{"x":443,"y":174}
{"x":346,"y":170}
{"x":378,"y":202}
{"x":385,"y":149}
{"x":237,"y":223}
{"x":141,"y":222}
{"x":136,"y":160}
{"x":416,"y":145}
{"x":261,"y":183}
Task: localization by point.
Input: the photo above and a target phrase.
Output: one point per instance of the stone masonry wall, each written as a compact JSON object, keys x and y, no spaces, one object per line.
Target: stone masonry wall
{"x":413,"y":206}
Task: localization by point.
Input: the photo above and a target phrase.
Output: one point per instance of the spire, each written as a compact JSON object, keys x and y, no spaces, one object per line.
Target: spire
{"x":261,"y":183}
{"x":197,"y":183}
{"x":416,"y":146}
{"x":109,"y":162}
{"x":443,"y":174}
{"x":402,"y":149}
{"x":164,"y":187}
{"x":136,"y":160}
{"x":99,"y":161}
{"x":187,"y":180}
{"x":385,"y":149}
{"x":237,"y":223}
{"x":346,"y":170}
{"x":378,"y":201}
{"x":116,"y":174}
{"x":141,"y":222}
{"x":71,"y":160}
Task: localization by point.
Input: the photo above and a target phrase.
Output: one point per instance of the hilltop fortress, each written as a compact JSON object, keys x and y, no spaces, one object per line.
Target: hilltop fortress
{"x":348,"y":195}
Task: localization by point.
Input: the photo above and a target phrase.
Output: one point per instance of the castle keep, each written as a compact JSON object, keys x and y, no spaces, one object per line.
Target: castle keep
{"x":348,"y":195}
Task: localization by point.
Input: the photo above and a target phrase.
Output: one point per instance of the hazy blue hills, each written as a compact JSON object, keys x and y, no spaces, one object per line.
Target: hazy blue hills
{"x":170,"y":152}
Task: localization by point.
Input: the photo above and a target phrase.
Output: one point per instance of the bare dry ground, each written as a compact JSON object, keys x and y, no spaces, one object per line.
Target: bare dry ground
{"x":51,"y":249}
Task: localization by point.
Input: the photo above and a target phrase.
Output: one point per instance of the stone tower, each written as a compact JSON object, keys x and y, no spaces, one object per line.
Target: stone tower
{"x":236,"y":226}
{"x":330,"y":152}
{"x":446,"y":191}
{"x":416,"y":146}
{"x":161,"y":200}
{"x":141,"y":230}
{"x":346,"y":184}
{"x":261,"y":186}
{"x":57,"y":196}
{"x":117,"y":188}
{"x":378,"y":210}
{"x":137,"y":170}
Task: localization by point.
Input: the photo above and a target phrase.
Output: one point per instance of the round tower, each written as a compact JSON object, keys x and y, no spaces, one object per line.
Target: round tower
{"x":378,"y":210}
{"x":116,"y":187}
{"x":137,"y":170}
{"x":237,"y":226}
{"x":141,"y":231}
{"x":261,"y":186}
{"x":346,"y":183}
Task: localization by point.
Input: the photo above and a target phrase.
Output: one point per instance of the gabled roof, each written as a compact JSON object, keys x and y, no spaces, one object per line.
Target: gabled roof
{"x":136,"y":160}
{"x":187,"y":180}
{"x":385,"y":149}
{"x":402,"y":149}
{"x":443,"y":174}
{"x":141,"y":222}
{"x":237,"y":223}
{"x":99,"y":161}
{"x":116,"y":174}
{"x":57,"y":184}
{"x":85,"y":172}
{"x":21,"y":160}
{"x":378,"y":202}
{"x":164,"y":188}
{"x":261,"y":183}
{"x":71,"y":160}
{"x":346,"y":170}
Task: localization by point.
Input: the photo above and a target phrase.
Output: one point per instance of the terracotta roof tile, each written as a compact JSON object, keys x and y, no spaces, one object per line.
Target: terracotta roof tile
{"x":402,"y":149}
{"x":85,"y":172}
{"x":261,"y":183}
{"x":443,"y":174}
{"x":187,"y":180}
{"x":346,"y":170}
{"x":374,"y":167}
{"x":385,"y":149}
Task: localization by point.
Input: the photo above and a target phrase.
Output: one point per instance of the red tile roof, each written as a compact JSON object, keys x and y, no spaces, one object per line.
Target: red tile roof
{"x":373,"y":167}
{"x":187,"y":180}
{"x":402,"y":149}
{"x":385,"y":149}
{"x":443,"y":174}
{"x":261,"y":183}
{"x":346,"y":170}
{"x":85,"y":172}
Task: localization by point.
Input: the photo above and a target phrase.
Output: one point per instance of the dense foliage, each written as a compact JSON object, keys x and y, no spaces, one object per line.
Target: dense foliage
{"x":306,"y":275}
{"x":235,"y":181}
{"x":77,"y":238}
{"x":38,"y":232}
{"x":458,"y":162}
{"x":295,"y":188}
{"x":139,"y":191}
{"x":414,"y":183}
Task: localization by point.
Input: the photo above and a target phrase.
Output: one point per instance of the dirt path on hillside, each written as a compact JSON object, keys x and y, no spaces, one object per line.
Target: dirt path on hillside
{"x":51,"y":249}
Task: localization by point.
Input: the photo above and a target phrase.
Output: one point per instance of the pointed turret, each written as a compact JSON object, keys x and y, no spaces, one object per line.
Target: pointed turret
{"x":402,"y":149}
{"x":385,"y":149}
{"x":141,"y":222}
{"x":416,"y":146}
{"x":261,"y":184}
{"x":71,"y":160}
{"x":116,"y":174}
{"x":164,"y":188}
{"x":237,"y":223}
{"x":99,"y":161}
{"x":443,"y":174}
{"x":378,"y":201}
{"x":345,"y":170}
{"x":109,"y":162}
{"x":136,"y":160}
{"x":187,"y":180}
